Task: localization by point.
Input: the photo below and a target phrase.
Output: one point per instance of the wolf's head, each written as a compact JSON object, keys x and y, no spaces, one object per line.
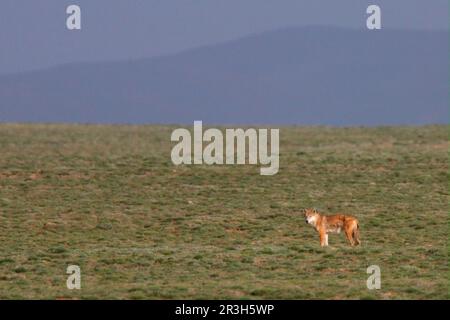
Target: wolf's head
{"x":311,"y":216}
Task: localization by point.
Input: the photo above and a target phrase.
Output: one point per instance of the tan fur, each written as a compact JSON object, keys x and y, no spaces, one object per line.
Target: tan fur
{"x":333,"y":224}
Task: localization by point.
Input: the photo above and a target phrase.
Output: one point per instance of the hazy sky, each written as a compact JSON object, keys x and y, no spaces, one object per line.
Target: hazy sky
{"x":33,"y":33}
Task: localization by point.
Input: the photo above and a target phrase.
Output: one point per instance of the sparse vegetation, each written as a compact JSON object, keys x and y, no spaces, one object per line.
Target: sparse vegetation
{"x":109,"y":199}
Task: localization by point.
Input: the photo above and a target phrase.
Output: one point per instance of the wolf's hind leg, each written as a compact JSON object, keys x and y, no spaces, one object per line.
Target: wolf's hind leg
{"x":356,"y":234}
{"x":349,"y":235}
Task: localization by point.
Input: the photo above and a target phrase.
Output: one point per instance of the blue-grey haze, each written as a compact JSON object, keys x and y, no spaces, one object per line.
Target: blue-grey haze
{"x":306,"y":75}
{"x":224,"y":61}
{"x":33,"y":33}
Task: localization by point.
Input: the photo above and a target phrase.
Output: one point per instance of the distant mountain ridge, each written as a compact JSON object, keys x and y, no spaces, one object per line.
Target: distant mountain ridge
{"x":313,"y":75}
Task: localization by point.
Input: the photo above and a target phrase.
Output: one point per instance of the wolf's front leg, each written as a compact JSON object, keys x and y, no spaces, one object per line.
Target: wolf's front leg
{"x":323,"y":239}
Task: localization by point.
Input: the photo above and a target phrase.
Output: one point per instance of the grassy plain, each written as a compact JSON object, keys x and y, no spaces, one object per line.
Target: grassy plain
{"x":108,"y":198}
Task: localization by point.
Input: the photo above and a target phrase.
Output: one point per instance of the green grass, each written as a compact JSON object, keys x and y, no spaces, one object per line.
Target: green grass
{"x":108,"y":199}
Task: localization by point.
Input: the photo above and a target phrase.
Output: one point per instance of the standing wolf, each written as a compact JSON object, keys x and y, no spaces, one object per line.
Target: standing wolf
{"x":334,"y":224}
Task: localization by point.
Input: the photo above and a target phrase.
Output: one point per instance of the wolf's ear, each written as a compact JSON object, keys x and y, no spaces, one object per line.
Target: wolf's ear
{"x":314,"y":210}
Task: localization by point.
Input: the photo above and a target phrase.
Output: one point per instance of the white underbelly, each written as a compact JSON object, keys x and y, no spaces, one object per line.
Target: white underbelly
{"x":334,"y":230}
